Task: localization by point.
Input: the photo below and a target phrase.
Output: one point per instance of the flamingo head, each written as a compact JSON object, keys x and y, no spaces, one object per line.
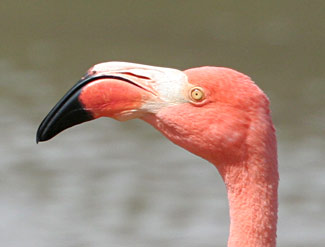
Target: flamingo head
{"x":206,"y":110}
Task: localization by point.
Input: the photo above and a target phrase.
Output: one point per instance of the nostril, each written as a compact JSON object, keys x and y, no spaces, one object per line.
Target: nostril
{"x":135,"y":75}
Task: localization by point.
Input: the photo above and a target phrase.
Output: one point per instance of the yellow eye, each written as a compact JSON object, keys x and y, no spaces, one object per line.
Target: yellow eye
{"x":197,"y":94}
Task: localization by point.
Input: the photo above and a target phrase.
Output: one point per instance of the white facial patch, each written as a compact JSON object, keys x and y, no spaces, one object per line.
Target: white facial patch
{"x":170,"y":84}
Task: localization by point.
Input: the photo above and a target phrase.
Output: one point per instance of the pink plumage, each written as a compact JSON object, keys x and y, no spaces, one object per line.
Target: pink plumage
{"x":216,"y":113}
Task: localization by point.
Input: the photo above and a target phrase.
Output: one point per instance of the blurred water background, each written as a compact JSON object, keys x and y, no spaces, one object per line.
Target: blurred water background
{"x":106,"y":183}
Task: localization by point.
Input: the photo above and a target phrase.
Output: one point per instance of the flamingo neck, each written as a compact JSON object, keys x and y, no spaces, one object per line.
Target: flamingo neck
{"x":253,"y":201}
{"x":249,"y":169}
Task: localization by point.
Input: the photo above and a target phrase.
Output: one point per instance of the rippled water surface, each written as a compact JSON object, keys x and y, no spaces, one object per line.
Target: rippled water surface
{"x":107,"y":183}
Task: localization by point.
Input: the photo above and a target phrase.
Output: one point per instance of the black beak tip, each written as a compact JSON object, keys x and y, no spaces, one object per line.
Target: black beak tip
{"x":40,"y":135}
{"x":68,"y":112}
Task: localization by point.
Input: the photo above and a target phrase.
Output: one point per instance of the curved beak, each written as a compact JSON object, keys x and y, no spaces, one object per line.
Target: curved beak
{"x":115,"y":89}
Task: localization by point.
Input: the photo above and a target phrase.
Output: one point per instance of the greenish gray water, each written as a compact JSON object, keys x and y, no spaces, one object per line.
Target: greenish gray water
{"x":107,"y":183}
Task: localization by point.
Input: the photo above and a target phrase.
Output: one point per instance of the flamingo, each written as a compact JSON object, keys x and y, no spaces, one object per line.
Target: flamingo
{"x":216,"y":113}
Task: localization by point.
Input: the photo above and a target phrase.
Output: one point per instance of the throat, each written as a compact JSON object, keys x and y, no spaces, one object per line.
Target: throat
{"x":253,"y":201}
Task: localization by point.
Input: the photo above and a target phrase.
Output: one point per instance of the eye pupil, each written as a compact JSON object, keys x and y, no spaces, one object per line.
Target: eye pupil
{"x":197,"y":94}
